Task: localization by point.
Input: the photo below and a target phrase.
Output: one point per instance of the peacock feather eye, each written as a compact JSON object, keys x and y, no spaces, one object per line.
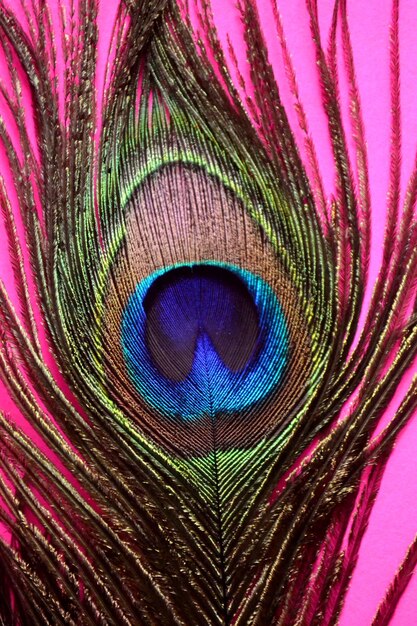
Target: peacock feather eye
{"x":205,"y":325}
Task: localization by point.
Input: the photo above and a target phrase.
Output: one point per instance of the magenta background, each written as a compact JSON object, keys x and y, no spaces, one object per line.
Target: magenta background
{"x":393,"y":523}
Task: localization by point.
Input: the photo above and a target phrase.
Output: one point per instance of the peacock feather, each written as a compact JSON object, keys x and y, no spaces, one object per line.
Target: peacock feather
{"x":186,"y":334}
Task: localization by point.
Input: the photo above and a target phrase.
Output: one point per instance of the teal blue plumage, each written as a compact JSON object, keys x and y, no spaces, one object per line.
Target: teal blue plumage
{"x":212,"y":339}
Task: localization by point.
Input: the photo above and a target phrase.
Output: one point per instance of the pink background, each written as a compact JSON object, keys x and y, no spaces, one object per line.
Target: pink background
{"x":393,"y":523}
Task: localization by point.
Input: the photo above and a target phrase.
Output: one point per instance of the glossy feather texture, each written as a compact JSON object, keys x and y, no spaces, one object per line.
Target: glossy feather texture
{"x":203,"y":448}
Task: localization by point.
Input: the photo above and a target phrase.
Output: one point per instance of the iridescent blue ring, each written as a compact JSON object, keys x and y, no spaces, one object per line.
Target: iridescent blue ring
{"x":210,"y":387}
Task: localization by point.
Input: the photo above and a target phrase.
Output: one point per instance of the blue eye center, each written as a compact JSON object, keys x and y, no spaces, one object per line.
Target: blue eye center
{"x":204,"y":339}
{"x":190,"y":304}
